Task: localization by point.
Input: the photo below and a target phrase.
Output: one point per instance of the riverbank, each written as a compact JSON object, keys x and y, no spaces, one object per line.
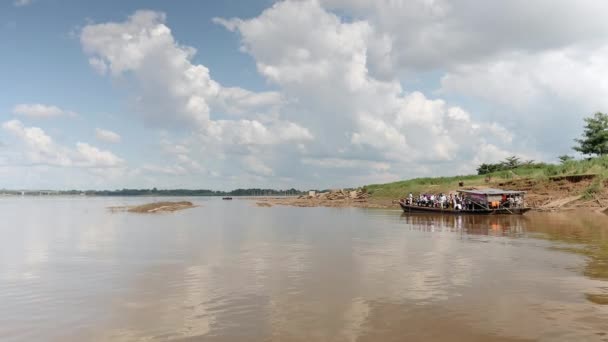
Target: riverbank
{"x":540,"y":197}
{"x":572,"y":185}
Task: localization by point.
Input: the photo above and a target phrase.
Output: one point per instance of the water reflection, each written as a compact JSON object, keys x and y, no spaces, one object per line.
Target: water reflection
{"x":579,"y":232}
{"x":497,"y":225}
{"x":232,"y":271}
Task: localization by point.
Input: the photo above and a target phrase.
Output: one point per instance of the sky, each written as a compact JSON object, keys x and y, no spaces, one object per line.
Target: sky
{"x":297,"y":93}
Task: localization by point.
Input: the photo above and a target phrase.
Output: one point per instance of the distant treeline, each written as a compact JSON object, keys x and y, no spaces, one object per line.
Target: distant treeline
{"x":160,"y":192}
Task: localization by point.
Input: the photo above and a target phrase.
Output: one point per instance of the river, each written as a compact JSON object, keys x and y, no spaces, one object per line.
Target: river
{"x":71,"y":270}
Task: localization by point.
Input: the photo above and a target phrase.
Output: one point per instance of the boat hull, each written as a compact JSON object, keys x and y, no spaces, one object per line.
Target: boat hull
{"x":503,"y":211}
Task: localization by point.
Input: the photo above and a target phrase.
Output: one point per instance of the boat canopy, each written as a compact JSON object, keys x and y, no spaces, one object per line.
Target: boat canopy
{"x":491,"y":191}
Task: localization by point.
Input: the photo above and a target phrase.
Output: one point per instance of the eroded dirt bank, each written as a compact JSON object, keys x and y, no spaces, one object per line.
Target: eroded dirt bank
{"x":562,"y":193}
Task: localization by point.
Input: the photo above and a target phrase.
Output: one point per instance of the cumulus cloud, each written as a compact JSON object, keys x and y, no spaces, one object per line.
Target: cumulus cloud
{"x":107,"y":136}
{"x":181,"y":156}
{"x":91,"y":156}
{"x":40,"y":149}
{"x":339,"y":163}
{"x":544,"y":95}
{"x":442,"y":33}
{"x":171,"y":89}
{"x":345,"y":73}
{"x":41,"y":111}
{"x":257,"y":166}
{"x":172,"y":170}
{"x":520,"y":80}
{"x":534,"y":68}
{"x":322,"y":64}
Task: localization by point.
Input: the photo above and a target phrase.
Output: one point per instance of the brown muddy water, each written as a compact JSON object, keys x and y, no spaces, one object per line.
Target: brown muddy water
{"x":70,"y":270}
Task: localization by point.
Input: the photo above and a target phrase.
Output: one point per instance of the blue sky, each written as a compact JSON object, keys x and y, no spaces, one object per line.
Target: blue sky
{"x":43,"y":60}
{"x":327,"y":93}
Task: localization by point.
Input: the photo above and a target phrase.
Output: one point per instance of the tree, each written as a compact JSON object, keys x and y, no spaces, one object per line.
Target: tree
{"x":511,"y":162}
{"x":564,"y":158}
{"x":595,"y":136}
{"x":484,"y":169}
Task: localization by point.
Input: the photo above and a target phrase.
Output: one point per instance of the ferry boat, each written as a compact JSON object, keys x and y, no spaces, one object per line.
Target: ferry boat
{"x":477,"y":202}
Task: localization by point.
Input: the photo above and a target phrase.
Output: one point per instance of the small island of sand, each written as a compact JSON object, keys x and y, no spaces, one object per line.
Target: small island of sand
{"x":155,"y":207}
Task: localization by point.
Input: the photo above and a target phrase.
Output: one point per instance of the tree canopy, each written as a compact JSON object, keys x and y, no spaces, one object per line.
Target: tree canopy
{"x":509,"y":163}
{"x":595,"y":136}
{"x":564,"y":158}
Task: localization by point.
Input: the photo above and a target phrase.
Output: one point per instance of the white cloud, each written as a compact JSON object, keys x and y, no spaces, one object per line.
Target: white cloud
{"x":257,"y":166}
{"x":535,"y":68}
{"x":91,"y":156}
{"x":22,"y":3}
{"x":252,"y":132}
{"x":324,"y":66}
{"x":178,"y":160}
{"x":107,"y":136}
{"x":521,"y":80}
{"x":41,"y":111}
{"x":171,"y":89}
{"x":344,"y":98}
{"x":443,"y":33}
{"x":40,"y":149}
{"x":543,"y":96}
{"x":172,"y":170}
{"x":339,"y":163}
{"x":98,"y":65}
{"x":173,"y":148}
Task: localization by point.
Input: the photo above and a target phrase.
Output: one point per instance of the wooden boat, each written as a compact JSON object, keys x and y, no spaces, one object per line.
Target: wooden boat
{"x":502,"y":211}
{"x":483,"y":202}
{"x":226,"y":198}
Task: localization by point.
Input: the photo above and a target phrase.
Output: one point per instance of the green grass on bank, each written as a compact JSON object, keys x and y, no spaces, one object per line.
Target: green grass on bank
{"x":539,"y":171}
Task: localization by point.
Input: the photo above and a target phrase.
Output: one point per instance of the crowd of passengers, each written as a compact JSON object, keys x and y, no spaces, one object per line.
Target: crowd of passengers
{"x":458,"y":202}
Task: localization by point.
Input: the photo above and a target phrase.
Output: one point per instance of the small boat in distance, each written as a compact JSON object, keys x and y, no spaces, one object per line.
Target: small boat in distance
{"x":475,"y":202}
{"x":226,"y":198}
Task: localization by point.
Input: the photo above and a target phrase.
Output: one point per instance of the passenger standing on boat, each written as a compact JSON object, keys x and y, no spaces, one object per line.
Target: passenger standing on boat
{"x":518,"y":202}
{"x":410,"y":198}
{"x":457,"y":203}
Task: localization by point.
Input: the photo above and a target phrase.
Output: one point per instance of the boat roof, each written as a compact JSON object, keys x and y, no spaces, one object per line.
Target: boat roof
{"x":491,"y":191}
